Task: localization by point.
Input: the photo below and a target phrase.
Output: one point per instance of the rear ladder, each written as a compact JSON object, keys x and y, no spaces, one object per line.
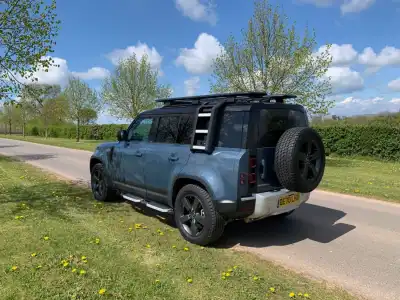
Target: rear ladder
{"x":205,"y":124}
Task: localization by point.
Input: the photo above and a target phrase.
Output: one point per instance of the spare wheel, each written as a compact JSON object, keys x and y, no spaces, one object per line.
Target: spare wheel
{"x":300,"y":159}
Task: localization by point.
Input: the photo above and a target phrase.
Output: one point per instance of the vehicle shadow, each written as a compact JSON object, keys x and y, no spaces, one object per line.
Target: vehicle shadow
{"x":310,"y":221}
{"x":27,"y":157}
{"x":8,"y":146}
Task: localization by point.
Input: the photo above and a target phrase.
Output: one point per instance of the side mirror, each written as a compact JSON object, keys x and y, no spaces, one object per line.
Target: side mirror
{"x":122,"y":135}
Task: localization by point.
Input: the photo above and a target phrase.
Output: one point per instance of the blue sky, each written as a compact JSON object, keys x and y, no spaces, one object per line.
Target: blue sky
{"x":183,"y":36}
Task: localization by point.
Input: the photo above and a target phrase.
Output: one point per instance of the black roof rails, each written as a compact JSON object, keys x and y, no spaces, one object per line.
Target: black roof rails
{"x":244,"y":96}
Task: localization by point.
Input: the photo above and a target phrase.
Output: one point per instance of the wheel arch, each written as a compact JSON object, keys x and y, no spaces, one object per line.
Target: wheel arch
{"x":180,"y":182}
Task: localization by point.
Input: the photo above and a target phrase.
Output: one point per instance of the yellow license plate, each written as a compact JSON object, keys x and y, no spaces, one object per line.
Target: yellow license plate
{"x":288,"y":199}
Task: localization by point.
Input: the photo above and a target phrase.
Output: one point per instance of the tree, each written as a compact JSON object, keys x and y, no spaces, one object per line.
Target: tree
{"x":24,"y":112}
{"x":38,"y":95}
{"x":9,"y":114}
{"x":132,"y":88}
{"x":27,"y":32}
{"x":273,"y":58}
{"x":55,"y":110}
{"x":89,"y":116}
{"x":80,"y":97}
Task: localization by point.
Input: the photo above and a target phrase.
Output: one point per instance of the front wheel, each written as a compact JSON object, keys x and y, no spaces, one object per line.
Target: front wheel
{"x":99,"y":184}
{"x":196,"y":217}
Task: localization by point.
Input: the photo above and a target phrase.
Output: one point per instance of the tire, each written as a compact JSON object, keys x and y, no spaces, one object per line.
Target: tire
{"x":213,"y":224}
{"x":300,"y":159}
{"x":104,"y":193}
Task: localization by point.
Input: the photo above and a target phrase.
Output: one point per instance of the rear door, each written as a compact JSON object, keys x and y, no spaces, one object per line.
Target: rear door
{"x":168,"y":154}
{"x":273,"y":122}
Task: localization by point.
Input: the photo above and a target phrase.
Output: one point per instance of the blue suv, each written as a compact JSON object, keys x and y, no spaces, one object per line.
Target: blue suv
{"x":213,"y":159}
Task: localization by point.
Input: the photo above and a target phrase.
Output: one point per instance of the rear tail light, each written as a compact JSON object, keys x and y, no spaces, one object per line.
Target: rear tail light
{"x":252,"y":175}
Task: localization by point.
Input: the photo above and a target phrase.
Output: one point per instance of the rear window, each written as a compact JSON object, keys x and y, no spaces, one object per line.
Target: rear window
{"x":274,"y":122}
{"x":233,"y":129}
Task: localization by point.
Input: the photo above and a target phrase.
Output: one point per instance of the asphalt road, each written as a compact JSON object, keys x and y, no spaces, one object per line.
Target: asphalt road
{"x":349,"y":241}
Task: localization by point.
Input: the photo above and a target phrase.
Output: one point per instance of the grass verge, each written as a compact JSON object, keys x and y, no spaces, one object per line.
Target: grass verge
{"x":57,"y":243}
{"x":88,"y":145}
{"x":356,"y":176}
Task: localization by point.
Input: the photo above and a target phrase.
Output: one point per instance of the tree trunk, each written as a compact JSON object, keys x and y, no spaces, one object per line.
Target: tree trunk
{"x":77,"y":130}
{"x":9,"y":124}
{"x":23,"y":129}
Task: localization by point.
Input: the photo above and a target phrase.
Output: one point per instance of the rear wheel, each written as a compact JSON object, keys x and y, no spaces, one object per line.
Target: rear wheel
{"x":99,"y":184}
{"x":196,"y":217}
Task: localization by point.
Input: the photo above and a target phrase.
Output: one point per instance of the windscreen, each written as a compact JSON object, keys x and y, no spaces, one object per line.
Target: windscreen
{"x":274,"y":122}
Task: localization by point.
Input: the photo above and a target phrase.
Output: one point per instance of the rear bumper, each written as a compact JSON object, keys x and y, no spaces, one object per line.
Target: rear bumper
{"x":267,"y":204}
{"x":259,"y":206}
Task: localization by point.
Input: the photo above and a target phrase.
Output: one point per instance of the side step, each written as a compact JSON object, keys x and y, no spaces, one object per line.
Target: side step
{"x":153,"y":205}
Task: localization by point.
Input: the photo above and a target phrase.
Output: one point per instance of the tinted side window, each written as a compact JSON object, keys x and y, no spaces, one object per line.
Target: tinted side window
{"x":231,"y":130}
{"x":140,"y":130}
{"x":274,"y":122}
{"x":167,"y":131}
{"x":185,"y":129}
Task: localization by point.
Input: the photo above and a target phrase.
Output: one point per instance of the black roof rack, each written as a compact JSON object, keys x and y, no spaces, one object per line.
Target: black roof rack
{"x":243,"y":96}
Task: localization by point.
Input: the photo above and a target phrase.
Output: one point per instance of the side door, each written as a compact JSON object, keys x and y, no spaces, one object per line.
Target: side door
{"x":132,"y":155}
{"x":168,"y":154}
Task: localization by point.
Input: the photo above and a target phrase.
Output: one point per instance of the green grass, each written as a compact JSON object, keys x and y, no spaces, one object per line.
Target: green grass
{"x":88,"y":145}
{"x":363,"y":177}
{"x":34,"y":205}
{"x":357,"y":176}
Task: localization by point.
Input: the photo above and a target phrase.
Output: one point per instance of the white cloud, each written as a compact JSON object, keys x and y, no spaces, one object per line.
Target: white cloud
{"x":395,"y":101}
{"x":355,"y":6}
{"x":320,"y":3}
{"x":199,"y":60}
{"x":394,"y":85}
{"x":388,"y":56}
{"x":344,"y":80}
{"x":198,"y":10}
{"x":192,"y":85}
{"x":59,"y":73}
{"x":141,"y":49}
{"x":355,"y":106}
{"x":342,"y":55}
{"x":92,"y":73}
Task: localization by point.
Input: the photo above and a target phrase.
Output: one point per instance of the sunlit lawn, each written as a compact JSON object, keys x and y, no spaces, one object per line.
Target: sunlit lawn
{"x":58,"y":243}
{"x":363,"y":177}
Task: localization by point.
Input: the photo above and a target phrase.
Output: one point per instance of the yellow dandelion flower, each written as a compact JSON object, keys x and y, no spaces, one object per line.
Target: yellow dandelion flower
{"x":73,"y":270}
{"x":85,"y":261}
{"x":201,"y":248}
{"x":292,"y":295}
{"x":159,"y":230}
{"x":97,"y":241}
{"x":102,"y":291}
{"x":306,"y":295}
{"x":144,"y":227}
{"x":173,"y":246}
{"x":38,"y":266}
{"x":272,"y":289}
{"x":84,"y":257}
{"x":255,"y":278}
{"x":190,"y":280}
{"x":161,"y":233}
{"x":186,"y":249}
{"x":228,"y":274}
{"x":130,"y":229}
{"x":34,"y":254}
{"x":46,"y":238}
{"x":223,"y":273}
{"x":300,"y":294}
{"x":235,"y":267}
{"x":66,"y":264}
{"x":157,"y":281}
{"x":82,"y":272}
{"x":148,"y":246}
{"x":14,"y":268}
{"x":223,"y":277}
{"x":138,"y":226}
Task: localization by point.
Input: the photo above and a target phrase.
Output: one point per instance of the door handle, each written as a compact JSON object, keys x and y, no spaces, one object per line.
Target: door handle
{"x":138,"y":154}
{"x":173,"y":158}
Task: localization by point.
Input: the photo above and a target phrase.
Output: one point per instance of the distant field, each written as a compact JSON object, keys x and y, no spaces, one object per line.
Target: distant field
{"x":361,"y":176}
{"x":56,"y":242}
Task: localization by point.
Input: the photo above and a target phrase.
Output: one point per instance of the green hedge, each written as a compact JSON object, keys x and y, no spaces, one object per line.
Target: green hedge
{"x":379,"y":141}
{"x":87,"y":132}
